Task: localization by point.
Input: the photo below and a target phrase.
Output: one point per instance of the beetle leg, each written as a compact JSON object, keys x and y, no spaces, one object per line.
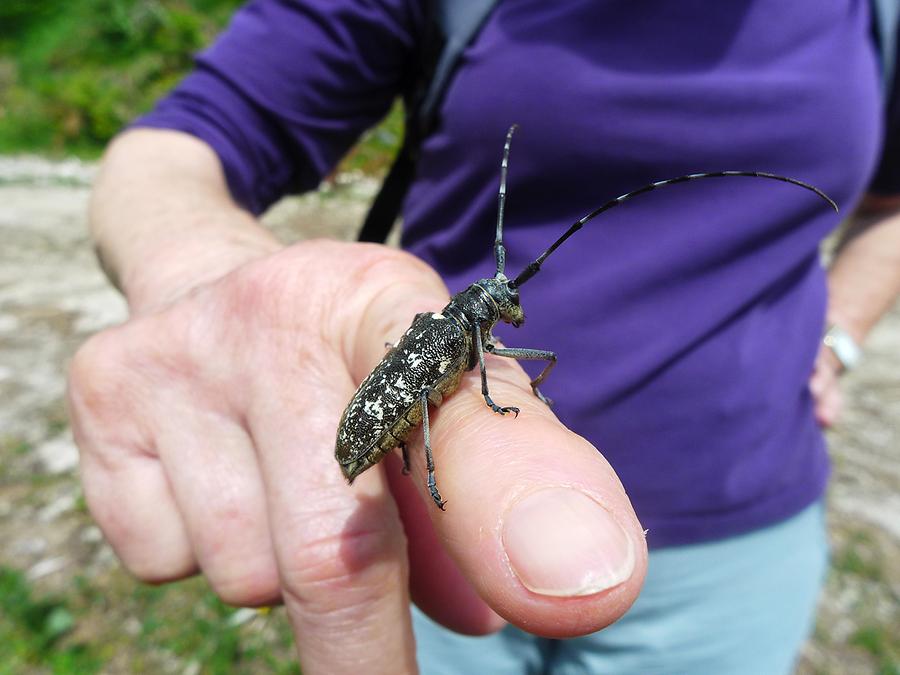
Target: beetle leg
{"x":484,"y":387}
{"x":429,"y":459}
{"x":530,"y":355}
{"x":404,"y":451}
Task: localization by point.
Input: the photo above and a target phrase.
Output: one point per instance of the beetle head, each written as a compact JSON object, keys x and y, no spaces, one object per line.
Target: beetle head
{"x":507,"y":298}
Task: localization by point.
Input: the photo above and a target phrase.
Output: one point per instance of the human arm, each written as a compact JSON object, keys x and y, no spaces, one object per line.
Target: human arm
{"x":206,"y":425}
{"x":863,"y":284}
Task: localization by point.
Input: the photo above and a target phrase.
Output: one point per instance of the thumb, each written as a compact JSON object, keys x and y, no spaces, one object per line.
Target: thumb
{"x":537,"y":521}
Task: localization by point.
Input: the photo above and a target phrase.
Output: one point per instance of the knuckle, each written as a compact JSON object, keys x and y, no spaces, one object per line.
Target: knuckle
{"x":151,"y":552}
{"x":392,"y":274}
{"x":145,"y":559}
{"x":378,"y":263}
{"x":100,"y":391}
{"x":92,"y":371}
{"x":253,"y":584}
{"x":265,"y":293}
{"x":155,"y":570}
{"x":110,"y":386}
{"x":252,"y":292}
{"x":114,"y":363}
{"x":344,"y":569}
{"x":235,"y":554}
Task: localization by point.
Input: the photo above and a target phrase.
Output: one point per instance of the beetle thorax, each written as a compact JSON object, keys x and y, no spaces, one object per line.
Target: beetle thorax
{"x":489,"y":301}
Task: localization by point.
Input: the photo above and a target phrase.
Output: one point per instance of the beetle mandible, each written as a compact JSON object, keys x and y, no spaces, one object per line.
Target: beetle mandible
{"x":428,"y":362}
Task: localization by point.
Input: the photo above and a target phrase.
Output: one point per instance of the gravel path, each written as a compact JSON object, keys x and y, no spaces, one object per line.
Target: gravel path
{"x":52,"y":297}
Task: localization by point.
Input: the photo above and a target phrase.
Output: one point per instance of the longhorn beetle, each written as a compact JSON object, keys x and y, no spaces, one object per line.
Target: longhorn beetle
{"x":428,"y":362}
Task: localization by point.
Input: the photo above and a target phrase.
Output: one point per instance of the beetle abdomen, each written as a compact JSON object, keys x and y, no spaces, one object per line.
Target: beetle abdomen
{"x":432,"y":355}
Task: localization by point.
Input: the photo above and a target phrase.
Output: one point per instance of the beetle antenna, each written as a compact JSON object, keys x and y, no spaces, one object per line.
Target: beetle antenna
{"x":499,"y":250}
{"x":534,"y":267}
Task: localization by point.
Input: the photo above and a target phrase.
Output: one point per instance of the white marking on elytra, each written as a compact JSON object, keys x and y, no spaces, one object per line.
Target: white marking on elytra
{"x":373,"y":409}
{"x":438,"y":315}
{"x":443,"y":366}
{"x":400,"y":384}
{"x":414,"y":359}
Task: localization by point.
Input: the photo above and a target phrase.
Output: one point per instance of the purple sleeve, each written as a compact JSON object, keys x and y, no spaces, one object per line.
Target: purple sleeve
{"x":286,"y":90}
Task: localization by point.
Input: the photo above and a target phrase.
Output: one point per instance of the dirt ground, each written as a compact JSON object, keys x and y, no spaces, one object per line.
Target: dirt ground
{"x":52,"y":297}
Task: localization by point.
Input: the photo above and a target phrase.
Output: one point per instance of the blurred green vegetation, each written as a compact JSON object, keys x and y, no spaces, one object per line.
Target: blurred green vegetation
{"x":115,"y":624}
{"x":32,"y":629}
{"x":72,"y":73}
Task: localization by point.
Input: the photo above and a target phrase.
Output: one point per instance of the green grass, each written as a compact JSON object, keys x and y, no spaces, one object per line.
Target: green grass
{"x":11,"y":449}
{"x":878,"y":642}
{"x":32,"y":631}
{"x":72,"y":74}
{"x":83,"y":631}
{"x":863,"y":562}
{"x":202,"y":630}
{"x":377,"y":148}
{"x":859,"y":556}
{"x":13,"y":445}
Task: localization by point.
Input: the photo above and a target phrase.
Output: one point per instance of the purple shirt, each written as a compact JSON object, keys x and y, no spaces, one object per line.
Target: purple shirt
{"x":687,"y":321}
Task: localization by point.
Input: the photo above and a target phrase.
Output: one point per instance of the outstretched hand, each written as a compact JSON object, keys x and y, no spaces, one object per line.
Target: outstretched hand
{"x":207,"y":431}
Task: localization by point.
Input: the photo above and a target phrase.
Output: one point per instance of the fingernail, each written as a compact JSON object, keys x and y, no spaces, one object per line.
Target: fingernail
{"x":560,"y":542}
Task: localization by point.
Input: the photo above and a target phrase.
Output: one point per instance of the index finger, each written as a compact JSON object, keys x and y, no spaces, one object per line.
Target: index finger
{"x":340,"y":552}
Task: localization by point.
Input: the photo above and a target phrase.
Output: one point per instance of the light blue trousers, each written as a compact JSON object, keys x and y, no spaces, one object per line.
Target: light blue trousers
{"x":738,"y":606}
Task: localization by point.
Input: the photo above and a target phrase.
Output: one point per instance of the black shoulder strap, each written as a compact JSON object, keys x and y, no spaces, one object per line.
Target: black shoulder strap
{"x":456,"y":22}
{"x":886,"y":21}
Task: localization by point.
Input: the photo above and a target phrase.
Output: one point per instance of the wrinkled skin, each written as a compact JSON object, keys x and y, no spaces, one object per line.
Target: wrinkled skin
{"x":207,"y":421}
